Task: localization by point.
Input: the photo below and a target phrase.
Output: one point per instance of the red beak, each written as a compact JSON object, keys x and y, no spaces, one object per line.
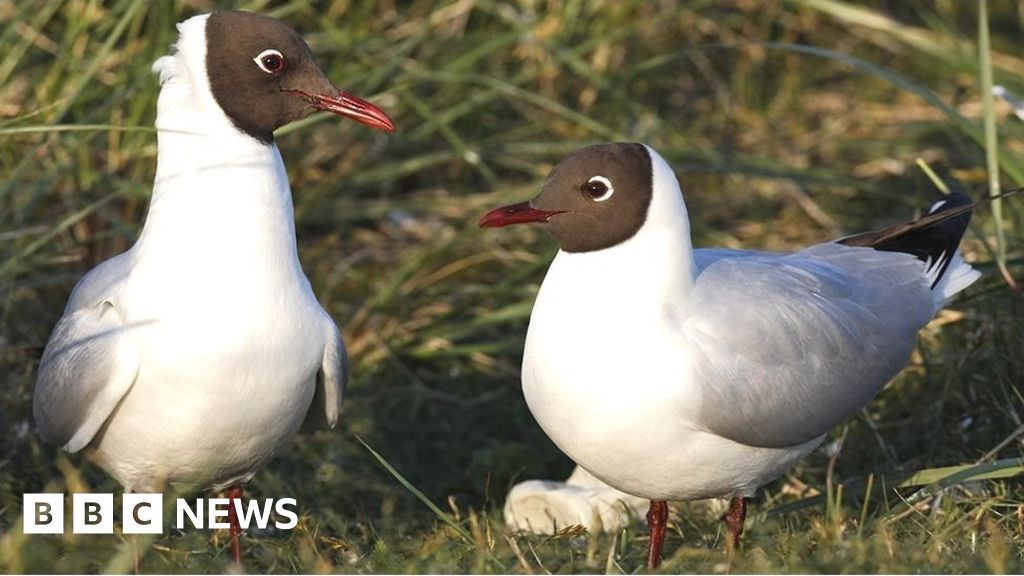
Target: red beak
{"x":351,"y":106}
{"x":515,"y":214}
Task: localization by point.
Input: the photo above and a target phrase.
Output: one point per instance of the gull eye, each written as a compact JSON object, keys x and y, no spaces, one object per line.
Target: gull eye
{"x":270,"y":61}
{"x":598,"y":188}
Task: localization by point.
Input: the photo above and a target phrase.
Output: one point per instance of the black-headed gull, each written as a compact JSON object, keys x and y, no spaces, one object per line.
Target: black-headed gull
{"x":736,"y":362}
{"x":192,"y":358}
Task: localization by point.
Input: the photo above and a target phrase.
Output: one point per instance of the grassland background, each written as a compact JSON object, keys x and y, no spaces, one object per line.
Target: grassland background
{"x":788,"y":123}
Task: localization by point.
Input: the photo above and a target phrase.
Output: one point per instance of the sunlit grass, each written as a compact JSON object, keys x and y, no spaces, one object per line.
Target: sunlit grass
{"x":788,"y":123}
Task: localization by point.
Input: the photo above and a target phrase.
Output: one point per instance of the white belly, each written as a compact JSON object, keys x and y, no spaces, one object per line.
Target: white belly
{"x":220,"y":390}
{"x":624,"y":404}
{"x":639,"y":441}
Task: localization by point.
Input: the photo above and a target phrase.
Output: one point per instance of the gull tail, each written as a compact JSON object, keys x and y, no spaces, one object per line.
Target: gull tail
{"x":934,"y":239}
{"x":957,"y":276}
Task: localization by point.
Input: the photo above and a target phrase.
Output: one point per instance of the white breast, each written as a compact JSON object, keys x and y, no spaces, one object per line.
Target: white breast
{"x":228,"y":332}
{"x":612,"y":385}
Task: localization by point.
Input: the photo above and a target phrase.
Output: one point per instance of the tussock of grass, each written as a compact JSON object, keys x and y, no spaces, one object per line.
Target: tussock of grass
{"x":788,"y":122}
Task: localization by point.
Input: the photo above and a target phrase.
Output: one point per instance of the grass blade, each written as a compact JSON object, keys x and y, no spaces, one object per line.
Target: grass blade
{"x":38,"y":129}
{"x":11,"y":266}
{"x":991,"y":138}
{"x":934,"y":478}
{"x":417,"y":493}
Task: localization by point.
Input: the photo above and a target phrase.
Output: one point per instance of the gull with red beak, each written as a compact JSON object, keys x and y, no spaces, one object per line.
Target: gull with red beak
{"x":678,"y":374}
{"x":195,"y":356}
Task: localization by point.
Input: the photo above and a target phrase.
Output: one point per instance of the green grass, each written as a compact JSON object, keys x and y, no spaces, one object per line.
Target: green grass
{"x":788,"y":123}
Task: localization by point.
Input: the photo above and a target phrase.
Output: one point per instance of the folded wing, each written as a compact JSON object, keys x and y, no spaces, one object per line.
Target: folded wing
{"x":791,"y":345}
{"x":331,"y":380}
{"x":89,"y":362}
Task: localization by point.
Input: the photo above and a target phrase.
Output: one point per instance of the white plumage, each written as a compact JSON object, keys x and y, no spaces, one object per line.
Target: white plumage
{"x":691,"y":374}
{"x":195,"y":356}
{"x":678,"y":374}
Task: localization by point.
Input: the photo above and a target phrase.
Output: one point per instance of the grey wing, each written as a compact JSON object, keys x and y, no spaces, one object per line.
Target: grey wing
{"x":100,"y":283}
{"x":704,"y":257}
{"x":792,"y":345}
{"x":331,"y":380}
{"x":88,"y":364}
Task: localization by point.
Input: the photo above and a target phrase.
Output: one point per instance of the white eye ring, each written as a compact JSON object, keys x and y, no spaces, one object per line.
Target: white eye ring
{"x":598,"y":188}
{"x":271,"y":53}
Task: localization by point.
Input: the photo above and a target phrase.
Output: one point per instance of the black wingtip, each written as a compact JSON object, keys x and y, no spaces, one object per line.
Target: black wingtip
{"x":953,"y":200}
{"x":933,"y":238}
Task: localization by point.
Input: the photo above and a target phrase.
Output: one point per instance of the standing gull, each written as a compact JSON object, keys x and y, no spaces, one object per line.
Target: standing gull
{"x":678,"y":374}
{"x":194,"y":357}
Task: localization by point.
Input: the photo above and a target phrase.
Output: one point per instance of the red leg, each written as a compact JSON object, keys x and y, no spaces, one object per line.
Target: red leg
{"x":734,"y":519}
{"x":235,"y":494}
{"x":657,"y":518}
{"x":133,"y":541}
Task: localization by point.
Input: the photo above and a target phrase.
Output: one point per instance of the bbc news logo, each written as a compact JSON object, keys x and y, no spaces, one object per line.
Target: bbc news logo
{"x":144,"y":513}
